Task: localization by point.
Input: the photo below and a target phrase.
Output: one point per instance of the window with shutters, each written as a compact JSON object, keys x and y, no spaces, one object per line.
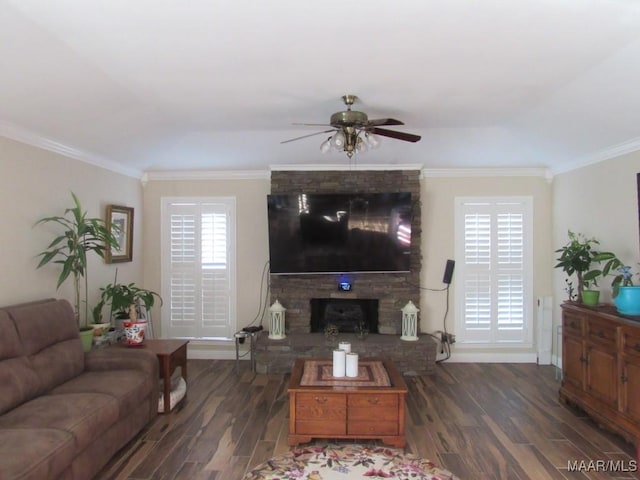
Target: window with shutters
{"x":494,"y":298}
{"x":198,"y":265}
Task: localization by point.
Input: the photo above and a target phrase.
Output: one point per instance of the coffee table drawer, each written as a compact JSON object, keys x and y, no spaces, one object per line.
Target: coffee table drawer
{"x":321,"y":406}
{"x":373,"y":401}
{"x":372,"y":427}
{"x":321,"y":412}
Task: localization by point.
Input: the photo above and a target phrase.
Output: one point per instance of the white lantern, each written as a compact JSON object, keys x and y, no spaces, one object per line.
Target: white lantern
{"x":410,"y":322}
{"x":276,"y":323}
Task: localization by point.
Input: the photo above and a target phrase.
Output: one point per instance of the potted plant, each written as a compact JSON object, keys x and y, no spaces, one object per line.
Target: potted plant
{"x":126,"y":302}
{"x":81,"y":234}
{"x":577,"y":257}
{"x":626,"y":295}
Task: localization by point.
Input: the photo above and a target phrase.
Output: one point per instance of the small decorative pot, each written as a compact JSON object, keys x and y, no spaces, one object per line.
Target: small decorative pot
{"x":134,"y":332}
{"x":590,"y":297}
{"x":86,"y":336}
{"x":627,"y":301}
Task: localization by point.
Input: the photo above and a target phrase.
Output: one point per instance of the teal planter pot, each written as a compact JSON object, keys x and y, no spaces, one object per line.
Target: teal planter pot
{"x":627,"y":301}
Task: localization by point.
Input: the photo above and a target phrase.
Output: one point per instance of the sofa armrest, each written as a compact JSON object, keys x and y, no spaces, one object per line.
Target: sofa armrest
{"x":120,"y":358}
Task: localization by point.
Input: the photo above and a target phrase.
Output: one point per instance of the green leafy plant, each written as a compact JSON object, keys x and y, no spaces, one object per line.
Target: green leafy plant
{"x":81,"y":234}
{"x":577,"y":257}
{"x":611,"y":264}
{"x":121,"y":297}
{"x":623,"y":277}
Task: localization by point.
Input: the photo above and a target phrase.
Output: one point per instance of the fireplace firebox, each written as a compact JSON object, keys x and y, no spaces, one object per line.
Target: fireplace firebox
{"x":349,"y":315}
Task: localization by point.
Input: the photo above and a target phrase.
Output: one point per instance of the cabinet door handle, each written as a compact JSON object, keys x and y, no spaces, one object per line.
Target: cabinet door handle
{"x":601,"y":334}
{"x":624,"y":379}
{"x":637,"y":347}
{"x":374,"y":401}
{"x":321,"y":399}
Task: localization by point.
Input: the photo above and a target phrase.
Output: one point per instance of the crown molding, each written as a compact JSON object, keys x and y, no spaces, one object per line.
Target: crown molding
{"x":172,"y":175}
{"x":345,"y":167}
{"x":613,"y":151}
{"x":27,"y":137}
{"x":487,"y":172}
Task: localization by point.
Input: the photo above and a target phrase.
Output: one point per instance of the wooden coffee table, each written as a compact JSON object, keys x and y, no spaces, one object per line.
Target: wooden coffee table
{"x":344,"y":411}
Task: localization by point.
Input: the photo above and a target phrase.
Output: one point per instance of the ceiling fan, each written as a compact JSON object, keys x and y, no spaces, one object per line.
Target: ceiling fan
{"x":354,"y":132}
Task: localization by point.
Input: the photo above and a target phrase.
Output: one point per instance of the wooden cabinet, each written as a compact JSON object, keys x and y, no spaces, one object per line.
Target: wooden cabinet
{"x":347,"y":412}
{"x":601,"y":366}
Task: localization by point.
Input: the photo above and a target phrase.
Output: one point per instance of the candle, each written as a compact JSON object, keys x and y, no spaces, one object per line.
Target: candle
{"x":339,"y":363}
{"x":346,"y":346}
{"x":352,"y":365}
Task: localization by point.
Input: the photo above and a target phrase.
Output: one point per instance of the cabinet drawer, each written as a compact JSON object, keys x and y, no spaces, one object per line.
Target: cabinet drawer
{"x":320,"y":427}
{"x":321,"y":406}
{"x":571,"y":324}
{"x":372,"y":427}
{"x":631,"y":340}
{"x":373,"y":400}
{"x":601,"y":332}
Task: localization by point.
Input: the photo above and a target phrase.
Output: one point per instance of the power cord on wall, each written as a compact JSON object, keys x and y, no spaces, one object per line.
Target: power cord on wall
{"x":262,"y":307}
{"x":443,"y":337}
{"x":446,"y":338}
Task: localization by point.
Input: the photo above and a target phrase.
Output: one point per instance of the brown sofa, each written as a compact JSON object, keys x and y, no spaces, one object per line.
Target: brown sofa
{"x":63,"y":412}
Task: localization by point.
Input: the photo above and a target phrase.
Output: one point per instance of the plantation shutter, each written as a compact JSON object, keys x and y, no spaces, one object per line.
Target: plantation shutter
{"x":198,"y":268}
{"x":495,"y":297}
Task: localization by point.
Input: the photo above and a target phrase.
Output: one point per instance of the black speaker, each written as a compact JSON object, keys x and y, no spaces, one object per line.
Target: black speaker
{"x":448,"y":271}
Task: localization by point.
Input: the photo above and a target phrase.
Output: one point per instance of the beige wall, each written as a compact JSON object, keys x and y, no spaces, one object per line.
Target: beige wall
{"x":251,"y":235}
{"x":34,"y":184}
{"x":438,"y":196}
{"x":601,"y":201}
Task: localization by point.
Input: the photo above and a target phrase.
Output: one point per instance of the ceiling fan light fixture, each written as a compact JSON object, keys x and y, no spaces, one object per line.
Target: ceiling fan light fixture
{"x":371,"y":140}
{"x":361,"y":145}
{"x":338,"y":140}
{"x":325,"y":146}
{"x":353,"y":132}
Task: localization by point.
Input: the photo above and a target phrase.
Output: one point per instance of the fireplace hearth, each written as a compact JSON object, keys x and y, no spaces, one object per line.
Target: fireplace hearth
{"x":349,"y":315}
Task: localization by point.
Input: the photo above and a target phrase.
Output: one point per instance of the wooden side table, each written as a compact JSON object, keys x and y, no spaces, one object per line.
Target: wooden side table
{"x":171,"y":353}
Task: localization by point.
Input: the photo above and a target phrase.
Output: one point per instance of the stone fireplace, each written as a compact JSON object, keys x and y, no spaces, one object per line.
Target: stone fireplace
{"x":376,"y":297}
{"x":349,"y":315}
{"x":391,"y":290}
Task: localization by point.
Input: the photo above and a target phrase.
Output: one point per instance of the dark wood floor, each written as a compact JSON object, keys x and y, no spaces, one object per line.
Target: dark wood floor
{"x":481,"y":421}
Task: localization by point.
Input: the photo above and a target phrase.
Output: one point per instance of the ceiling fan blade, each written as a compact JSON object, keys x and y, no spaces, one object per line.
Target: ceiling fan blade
{"x":310,"y":135}
{"x":407,"y":137}
{"x":384,"y":121}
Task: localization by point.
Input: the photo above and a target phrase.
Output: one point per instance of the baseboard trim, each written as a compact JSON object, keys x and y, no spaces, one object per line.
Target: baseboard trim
{"x":210,"y":354}
{"x":493,"y":357}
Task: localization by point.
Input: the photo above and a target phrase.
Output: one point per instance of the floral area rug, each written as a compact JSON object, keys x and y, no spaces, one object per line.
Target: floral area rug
{"x":346,"y":462}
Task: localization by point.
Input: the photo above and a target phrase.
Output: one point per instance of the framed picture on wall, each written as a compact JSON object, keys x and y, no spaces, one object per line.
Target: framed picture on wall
{"x":120,"y":223}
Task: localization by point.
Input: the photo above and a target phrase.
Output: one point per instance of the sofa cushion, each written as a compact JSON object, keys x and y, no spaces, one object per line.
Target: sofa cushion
{"x":49,"y":336}
{"x":129,"y":388}
{"x":35,"y":454}
{"x":19,"y":381}
{"x":10,"y":345}
{"x":83,"y":415}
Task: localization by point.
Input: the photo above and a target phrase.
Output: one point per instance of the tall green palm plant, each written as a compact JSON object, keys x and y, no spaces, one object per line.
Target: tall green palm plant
{"x":81,"y":235}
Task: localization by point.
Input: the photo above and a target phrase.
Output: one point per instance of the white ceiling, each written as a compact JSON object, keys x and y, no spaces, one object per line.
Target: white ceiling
{"x":150,"y":85}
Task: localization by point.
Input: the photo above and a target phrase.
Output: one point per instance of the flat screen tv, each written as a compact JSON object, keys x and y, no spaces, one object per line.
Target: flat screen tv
{"x":339,"y":233}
